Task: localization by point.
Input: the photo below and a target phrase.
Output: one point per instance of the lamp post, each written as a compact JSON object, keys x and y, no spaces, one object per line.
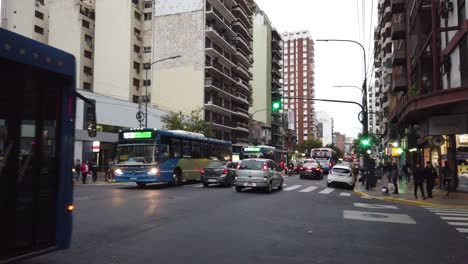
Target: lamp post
{"x":365,"y":121}
{"x":148,"y":67}
{"x":352,"y":86}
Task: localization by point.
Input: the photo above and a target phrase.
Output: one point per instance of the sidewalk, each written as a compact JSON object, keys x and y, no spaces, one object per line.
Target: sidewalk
{"x":100,"y":180}
{"x":406,"y":195}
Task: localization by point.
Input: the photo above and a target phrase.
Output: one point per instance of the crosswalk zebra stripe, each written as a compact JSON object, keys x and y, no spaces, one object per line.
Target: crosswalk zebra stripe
{"x":458,"y":223}
{"x":327,"y":191}
{"x":455,"y":218}
{"x":462,"y":230}
{"x":434,"y":209}
{"x":198,"y":186}
{"x":365,"y":197}
{"x":451,"y":214}
{"x":345,"y":194}
{"x":292,"y":187}
{"x":309,"y":189}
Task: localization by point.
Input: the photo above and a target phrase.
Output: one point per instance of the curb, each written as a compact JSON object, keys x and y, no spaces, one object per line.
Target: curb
{"x":406,"y":201}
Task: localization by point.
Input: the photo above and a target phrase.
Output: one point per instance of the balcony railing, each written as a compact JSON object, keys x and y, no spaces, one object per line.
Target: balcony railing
{"x":398,"y":6}
{"x":243,"y":29}
{"x":222,"y":38}
{"x":398,"y":27}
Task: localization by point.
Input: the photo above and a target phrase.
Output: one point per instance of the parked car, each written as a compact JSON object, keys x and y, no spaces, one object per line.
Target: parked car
{"x":311,"y":169}
{"x":341,"y":174}
{"x":217,"y":172}
{"x":259,"y":174}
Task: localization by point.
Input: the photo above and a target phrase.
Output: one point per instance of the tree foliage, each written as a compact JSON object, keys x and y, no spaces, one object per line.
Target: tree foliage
{"x":309,"y":144}
{"x":192,"y":123}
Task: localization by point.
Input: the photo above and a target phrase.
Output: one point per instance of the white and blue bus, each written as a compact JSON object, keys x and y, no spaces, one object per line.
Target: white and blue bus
{"x":325,"y":156}
{"x":149,"y":156}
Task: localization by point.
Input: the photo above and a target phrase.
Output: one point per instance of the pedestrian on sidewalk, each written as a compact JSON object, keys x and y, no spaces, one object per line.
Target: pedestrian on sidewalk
{"x":418,"y":180}
{"x":84,"y":172}
{"x":446,"y":175}
{"x":77,"y":168}
{"x":405,"y":172}
{"x":109,"y":170}
{"x":394,"y":177}
{"x":430,"y":175}
{"x":94,"y":169}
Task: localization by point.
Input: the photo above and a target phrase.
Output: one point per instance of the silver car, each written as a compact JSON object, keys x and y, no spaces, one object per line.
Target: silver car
{"x":259,"y":173}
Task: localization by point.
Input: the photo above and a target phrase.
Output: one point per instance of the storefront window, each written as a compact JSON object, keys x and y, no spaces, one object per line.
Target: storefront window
{"x":462,"y":162}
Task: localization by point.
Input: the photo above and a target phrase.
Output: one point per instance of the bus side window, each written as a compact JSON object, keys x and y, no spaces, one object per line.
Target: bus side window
{"x":175,"y":151}
{"x":187,"y":149}
{"x":196,"y":150}
{"x":205,"y":150}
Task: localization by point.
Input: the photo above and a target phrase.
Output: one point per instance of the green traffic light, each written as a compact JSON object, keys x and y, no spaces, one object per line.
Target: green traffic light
{"x":276,"y":105}
{"x":365,"y":142}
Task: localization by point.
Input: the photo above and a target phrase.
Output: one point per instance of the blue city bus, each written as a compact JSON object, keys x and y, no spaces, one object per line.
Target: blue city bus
{"x":150,"y":155}
{"x":325,"y":156}
{"x":37,"y":122}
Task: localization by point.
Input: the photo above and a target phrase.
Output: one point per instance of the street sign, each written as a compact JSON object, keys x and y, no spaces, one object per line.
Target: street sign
{"x":140,"y":116}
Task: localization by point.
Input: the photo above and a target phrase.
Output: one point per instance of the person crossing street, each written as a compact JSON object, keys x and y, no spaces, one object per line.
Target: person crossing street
{"x":430,"y":175}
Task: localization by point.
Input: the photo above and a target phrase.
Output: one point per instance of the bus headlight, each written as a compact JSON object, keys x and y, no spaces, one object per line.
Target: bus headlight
{"x":153,"y":171}
{"x":118,"y":171}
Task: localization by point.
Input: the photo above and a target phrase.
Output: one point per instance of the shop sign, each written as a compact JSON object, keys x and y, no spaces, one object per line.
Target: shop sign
{"x":447,"y":125}
{"x":462,"y":140}
{"x":96,"y":146}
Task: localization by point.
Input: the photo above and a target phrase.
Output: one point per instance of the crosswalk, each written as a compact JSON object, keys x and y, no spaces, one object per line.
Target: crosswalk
{"x":306,"y":189}
{"x":458,"y":218}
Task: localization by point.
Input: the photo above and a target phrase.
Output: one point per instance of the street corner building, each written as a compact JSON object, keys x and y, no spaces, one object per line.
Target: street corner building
{"x":421,"y":83}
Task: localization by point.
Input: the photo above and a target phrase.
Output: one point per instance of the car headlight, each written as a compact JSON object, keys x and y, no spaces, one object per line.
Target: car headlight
{"x":118,"y":171}
{"x":153,"y":171}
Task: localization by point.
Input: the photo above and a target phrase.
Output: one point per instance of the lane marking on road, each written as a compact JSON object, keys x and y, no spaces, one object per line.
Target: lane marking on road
{"x":378,"y":217}
{"x":375,"y":206}
{"x":345,"y":194}
{"x":309,"y":189}
{"x":198,"y":186}
{"x":292,"y":187}
{"x":458,"y":223}
{"x":455,"y":218}
{"x":462,"y":230}
{"x":327,"y":191}
{"x":451,"y":214}
{"x":365,"y":197}
{"x":449,"y":211}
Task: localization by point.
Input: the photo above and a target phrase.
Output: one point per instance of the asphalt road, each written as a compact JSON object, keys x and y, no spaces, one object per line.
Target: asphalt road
{"x":301,"y":224}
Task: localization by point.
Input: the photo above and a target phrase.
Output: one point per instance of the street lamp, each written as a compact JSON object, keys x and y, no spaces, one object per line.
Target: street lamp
{"x":352,"y":86}
{"x":148,"y":67}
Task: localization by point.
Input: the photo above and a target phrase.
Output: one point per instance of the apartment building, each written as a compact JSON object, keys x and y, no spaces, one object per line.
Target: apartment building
{"x":325,"y":127}
{"x":123,"y":45}
{"x":428,"y":92}
{"x":339,"y":140}
{"x":29,"y":18}
{"x":298,"y":81}
{"x":214,"y":39}
{"x":267,"y":76}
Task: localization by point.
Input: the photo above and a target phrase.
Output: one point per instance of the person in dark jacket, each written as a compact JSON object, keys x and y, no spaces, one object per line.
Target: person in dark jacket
{"x":394,"y":177}
{"x":430,"y":175}
{"x":94,"y":170}
{"x":418,"y":179}
{"x":446,"y":174}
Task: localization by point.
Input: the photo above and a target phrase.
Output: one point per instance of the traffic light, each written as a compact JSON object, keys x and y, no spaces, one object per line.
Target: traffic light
{"x":365,"y":142}
{"x":276,"y":105}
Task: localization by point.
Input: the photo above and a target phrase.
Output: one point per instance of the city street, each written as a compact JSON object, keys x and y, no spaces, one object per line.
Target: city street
{"x":305,"y":223}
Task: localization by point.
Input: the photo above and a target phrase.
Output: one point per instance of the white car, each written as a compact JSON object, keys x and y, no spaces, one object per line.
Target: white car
{"x":341,"y":174}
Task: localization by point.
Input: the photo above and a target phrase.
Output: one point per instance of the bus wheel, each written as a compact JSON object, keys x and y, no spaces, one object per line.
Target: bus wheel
{"x":141,"y":184}
{"x":177,"y":177}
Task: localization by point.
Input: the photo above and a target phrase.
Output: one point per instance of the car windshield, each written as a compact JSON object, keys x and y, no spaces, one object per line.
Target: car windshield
{"x":215,"y":164}
{"x":311,"y":165}
{"x":251,"y":165}
{"x":341,"y":170}
{"x":137,"y":154}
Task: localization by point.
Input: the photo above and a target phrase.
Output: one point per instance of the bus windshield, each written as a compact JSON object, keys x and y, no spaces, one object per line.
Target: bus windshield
{"x":137,"y":154}
{"x":320,"y":153}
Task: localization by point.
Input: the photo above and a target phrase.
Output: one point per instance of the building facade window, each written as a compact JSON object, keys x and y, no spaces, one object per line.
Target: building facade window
{"x":148,"y":16}
{"x":146,"y":82}
{"x":146,"y":49}
{"x":148,"y":4}
{"x":137,"y":16}
{"x":136,"y":48}
{"x":38,"y":30}
{"x":88,"y":54}
{"x":85,"y":23}
{"x":136,"y":83}
{"x":87,"y":86}
{"x":87,"y":70}
{"x":39,"y":15}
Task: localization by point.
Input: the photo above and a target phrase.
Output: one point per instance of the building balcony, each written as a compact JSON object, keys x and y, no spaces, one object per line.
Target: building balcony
{"x":243,"y":44}
{"x":399,"y":56}
{"x":218,"y":108}
{"x":239,"y":111}
{"x":398,"y":27}
{"x":244,"y":58}
{"x":242,"y":127}
{"x":222,"y":56}
{"x":387,"y":13}
{"x":387,"y":30}
{"x":275,"y":83}
{"x":222,"y":8}
{"x":398,"y":6}
{"x":247,"y":6}
{"x":276,"y":73}
{"x":217,"y":70}
{"x":241,"y":28}
{"x":241,"y":13}
{"x":243,"y":72}
{"x":215,"y":19}
{"x":221,"y":39}
{"x":224,"y":90}
{"x":399,"y":83}
{"x":240,"y":141}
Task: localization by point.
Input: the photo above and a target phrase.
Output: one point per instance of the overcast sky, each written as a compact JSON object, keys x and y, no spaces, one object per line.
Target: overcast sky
{"x":335,"y":63}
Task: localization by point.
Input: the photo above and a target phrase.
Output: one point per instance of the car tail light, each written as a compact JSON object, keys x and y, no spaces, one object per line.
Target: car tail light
{"x":329,"y":164}
{"x":301,"y":168}
{"x":238,"y":166}
{"x":225,"y":171}
{"x":318,"y":169}
{"x":202,"y":171}
{"x":265,"y":167}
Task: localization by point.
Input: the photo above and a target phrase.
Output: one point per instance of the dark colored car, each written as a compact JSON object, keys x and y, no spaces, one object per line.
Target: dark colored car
{"x":219,"y":172}
{"x":311,"y":169}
